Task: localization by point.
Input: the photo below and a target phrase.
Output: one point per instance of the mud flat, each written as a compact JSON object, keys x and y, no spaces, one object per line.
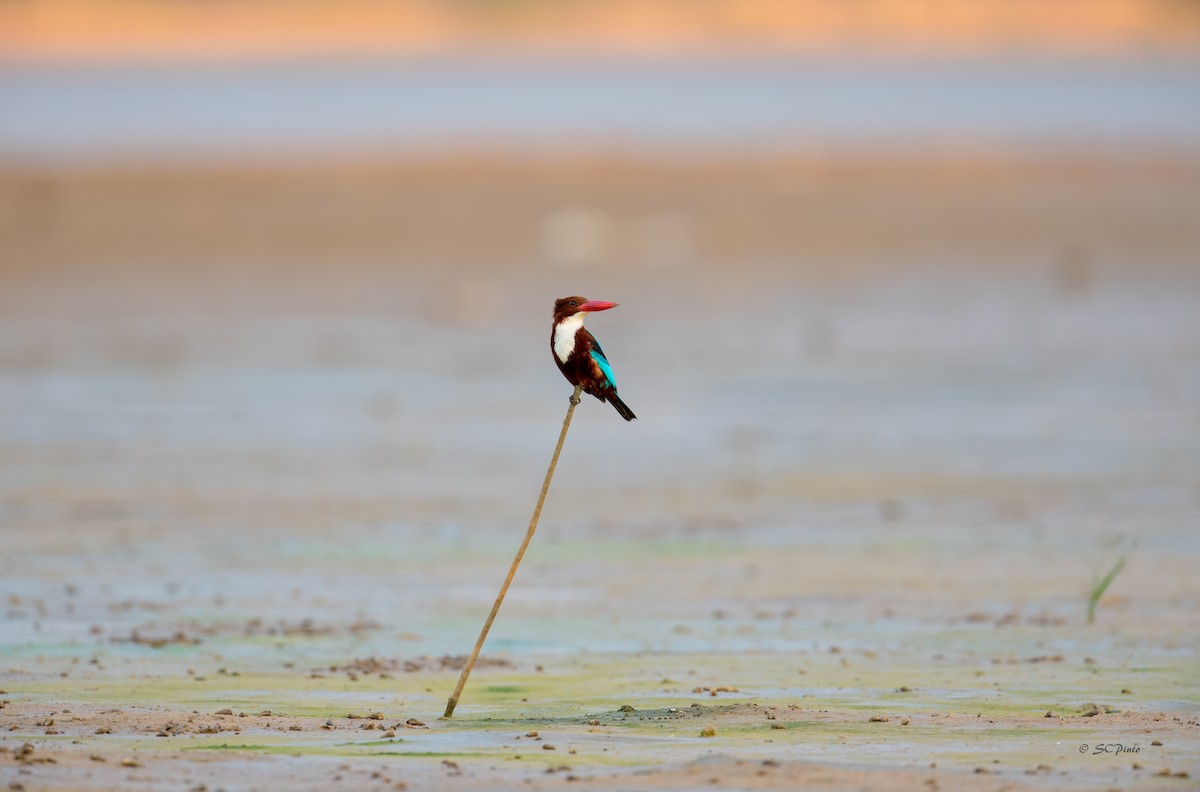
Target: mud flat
{"x":270,"y":437}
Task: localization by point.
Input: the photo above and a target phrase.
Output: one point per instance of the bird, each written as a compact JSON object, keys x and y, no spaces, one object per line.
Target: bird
{"x":578,"y":353}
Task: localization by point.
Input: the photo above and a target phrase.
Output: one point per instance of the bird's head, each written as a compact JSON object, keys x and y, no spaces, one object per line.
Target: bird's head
{"x":569,"y":306}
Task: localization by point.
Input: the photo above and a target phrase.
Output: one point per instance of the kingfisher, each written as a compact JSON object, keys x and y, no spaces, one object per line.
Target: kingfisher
{"x":578,"y":354}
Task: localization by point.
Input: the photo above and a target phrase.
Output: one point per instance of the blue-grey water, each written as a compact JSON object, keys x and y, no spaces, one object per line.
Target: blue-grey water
{"x":77,"y":111}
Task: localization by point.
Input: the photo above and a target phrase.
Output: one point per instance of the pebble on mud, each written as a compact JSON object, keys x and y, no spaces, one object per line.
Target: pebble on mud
{"x":708,"y":731}
{"x":225,"y":711}
{"x":25,"y":756}
{"x":877,"y":719}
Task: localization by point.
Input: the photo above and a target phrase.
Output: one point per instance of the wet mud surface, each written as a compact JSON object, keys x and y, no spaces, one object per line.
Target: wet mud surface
{"x":258,"y":490}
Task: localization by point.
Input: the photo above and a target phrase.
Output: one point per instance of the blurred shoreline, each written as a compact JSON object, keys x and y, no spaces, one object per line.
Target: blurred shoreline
{"x":138,"y":30}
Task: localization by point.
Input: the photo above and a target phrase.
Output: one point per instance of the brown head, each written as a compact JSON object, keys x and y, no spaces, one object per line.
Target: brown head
{"x":569,"y":306}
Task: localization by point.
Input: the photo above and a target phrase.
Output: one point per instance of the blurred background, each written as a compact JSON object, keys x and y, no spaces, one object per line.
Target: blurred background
{"x":918,"y":278}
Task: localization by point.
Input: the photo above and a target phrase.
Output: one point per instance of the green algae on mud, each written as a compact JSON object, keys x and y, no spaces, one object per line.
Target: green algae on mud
{"x":258,"y":747}
{"x":624,"y":711}
{"x":573,"y":687}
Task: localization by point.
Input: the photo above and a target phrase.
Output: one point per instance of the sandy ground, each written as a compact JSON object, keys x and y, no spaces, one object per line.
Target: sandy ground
{"x":270,"y":437}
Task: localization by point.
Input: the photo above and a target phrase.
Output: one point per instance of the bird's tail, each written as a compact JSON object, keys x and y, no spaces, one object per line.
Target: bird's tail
{"x":625,"y":412}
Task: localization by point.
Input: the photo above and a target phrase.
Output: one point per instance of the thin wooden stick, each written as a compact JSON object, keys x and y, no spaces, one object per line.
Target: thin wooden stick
{"x":537,"y":512}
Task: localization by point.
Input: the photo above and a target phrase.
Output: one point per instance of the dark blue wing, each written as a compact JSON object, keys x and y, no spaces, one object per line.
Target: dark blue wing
{"x":602,"y":362}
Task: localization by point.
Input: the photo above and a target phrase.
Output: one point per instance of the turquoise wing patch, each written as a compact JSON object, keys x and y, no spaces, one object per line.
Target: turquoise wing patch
{"x":602,"y":362}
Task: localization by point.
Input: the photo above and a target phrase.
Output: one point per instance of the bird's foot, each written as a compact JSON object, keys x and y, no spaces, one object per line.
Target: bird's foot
{"x":575,"y":399}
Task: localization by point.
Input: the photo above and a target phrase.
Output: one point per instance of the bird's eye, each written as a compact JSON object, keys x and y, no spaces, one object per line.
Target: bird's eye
{"x":574,"y":303}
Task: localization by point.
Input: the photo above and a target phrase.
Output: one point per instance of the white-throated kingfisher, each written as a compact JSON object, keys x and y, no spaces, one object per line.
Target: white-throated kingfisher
{"x":578,"y":354}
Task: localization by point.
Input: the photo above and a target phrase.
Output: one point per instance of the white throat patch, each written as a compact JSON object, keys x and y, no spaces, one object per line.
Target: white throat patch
{"x":564,"y":336}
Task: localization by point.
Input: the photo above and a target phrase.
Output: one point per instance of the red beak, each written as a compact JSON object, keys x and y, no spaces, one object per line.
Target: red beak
{"x":597,"y":305}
